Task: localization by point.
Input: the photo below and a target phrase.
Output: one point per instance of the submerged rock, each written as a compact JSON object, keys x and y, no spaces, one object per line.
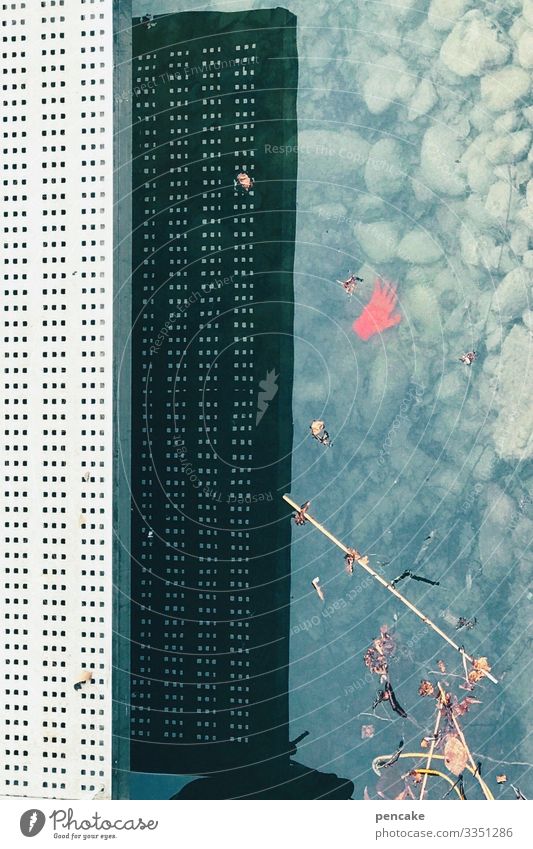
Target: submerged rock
{"x":438,"y":155}
{"x":384,"y":173}
{"x":331,"y":154}
{"x":501,"y":90}
{"x":525,"y":49}
{"x":474,"y":45}
{"x":513,"y":295}
{"x":378,"y":239}
{"x":443,"y":14}
{"x":423,"y":100}
{"x":388,"y":81}
{"x":419,"y":247}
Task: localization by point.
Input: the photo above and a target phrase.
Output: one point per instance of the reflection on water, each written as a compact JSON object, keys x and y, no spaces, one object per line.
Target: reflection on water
{"x":413,"y":166}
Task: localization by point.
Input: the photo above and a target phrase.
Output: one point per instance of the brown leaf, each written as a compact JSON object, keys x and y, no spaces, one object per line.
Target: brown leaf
{"x":455,"y":756}
{"x":424,"y":743}
{"x":463,"y":706}
{"x":416,"y":776}
{"x":367,"y":731}
{"x":501,"y":779}
{"x":426,"y":688}
{"x":481,"y":666}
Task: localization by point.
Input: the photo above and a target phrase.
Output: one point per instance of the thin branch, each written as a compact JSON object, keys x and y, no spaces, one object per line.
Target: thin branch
{"x":431,"y":751}
{"x":363,"y":562}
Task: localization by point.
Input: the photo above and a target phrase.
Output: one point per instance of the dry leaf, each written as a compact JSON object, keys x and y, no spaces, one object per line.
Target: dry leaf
{"x":463,"y":706}
{"x":481,"y":666}
{"x":455,"y":756}
{"x":416,"y":776}
{"x":426,"y":688}
{"x":367,"y":731}
{"x":424,"y":744}
{"x":441,"y":665}
{"x":501,"y":779}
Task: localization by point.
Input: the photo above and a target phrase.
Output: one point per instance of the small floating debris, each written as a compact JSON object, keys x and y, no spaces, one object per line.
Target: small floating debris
{"x":468,"y":358}
{"x":315,"y":583}
{"x":299,"y":516}
{"x":367,"y":731}
{"x":319,"y":432}
{"x":350,"y":284}
{"x":426,"y":688}
{"x":501,"y":779}
{"x":350,"y":558}
{"x":85,"y":675}
{"x":244,"y":181}
{"x":463,"y":622}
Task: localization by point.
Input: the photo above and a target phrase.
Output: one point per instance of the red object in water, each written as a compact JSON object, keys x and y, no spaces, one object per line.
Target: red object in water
{"x":377,"y":315}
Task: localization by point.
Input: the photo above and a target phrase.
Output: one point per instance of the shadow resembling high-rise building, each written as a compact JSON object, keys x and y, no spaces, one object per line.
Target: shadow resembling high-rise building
{"x":213,"y":225}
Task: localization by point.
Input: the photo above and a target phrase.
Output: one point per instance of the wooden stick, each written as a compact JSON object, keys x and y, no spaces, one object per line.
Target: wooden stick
{"x":430,"y":754}
{"x":363,"y":562}
{"x":486,"y":791}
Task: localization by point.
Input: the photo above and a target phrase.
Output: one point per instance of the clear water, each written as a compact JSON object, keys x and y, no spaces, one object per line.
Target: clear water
{"x":421,"y":443}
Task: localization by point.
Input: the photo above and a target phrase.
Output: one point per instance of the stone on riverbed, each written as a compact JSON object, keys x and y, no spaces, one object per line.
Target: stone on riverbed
{"x":502,"y":89}
{"x":419,"y":247}
{"x":473,"y":46}
{"x":384,"y":173}
{"x":388,"y":81}
{"x":513,"y":295}
{"x":439,"y":152}
{"x":378,"y":240}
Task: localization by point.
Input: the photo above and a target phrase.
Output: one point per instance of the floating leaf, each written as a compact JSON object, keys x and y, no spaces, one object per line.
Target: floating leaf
{"x":424,"y":743}
{"x":481,"y":666}
{"x":455,"y":756}
{"x":463,"y":706}
{"x":501,"y":779}
{"x":441,"y":665}
{"x":367,"y":731}
{"x":426,"y":688}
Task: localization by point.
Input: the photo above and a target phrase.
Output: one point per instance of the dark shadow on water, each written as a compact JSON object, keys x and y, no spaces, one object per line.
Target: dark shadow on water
{"x":288,"y":781}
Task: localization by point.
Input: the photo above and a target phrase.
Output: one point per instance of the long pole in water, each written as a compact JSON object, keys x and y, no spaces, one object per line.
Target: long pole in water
{"x":363,"y":562}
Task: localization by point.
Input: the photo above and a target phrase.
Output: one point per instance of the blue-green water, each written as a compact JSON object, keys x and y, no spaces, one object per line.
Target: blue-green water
{"x":414,"y":164}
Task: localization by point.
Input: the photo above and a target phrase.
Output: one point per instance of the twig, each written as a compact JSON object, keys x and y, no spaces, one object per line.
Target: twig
{"x":363,"y":562}
{"x":430,"y":753}
{"x":375,"y":716}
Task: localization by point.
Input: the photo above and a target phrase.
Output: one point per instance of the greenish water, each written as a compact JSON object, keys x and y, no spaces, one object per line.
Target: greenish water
{"x":414,"y":165}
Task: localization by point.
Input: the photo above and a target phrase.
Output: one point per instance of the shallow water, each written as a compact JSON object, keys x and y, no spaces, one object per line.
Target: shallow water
{"x":413,"y":166}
